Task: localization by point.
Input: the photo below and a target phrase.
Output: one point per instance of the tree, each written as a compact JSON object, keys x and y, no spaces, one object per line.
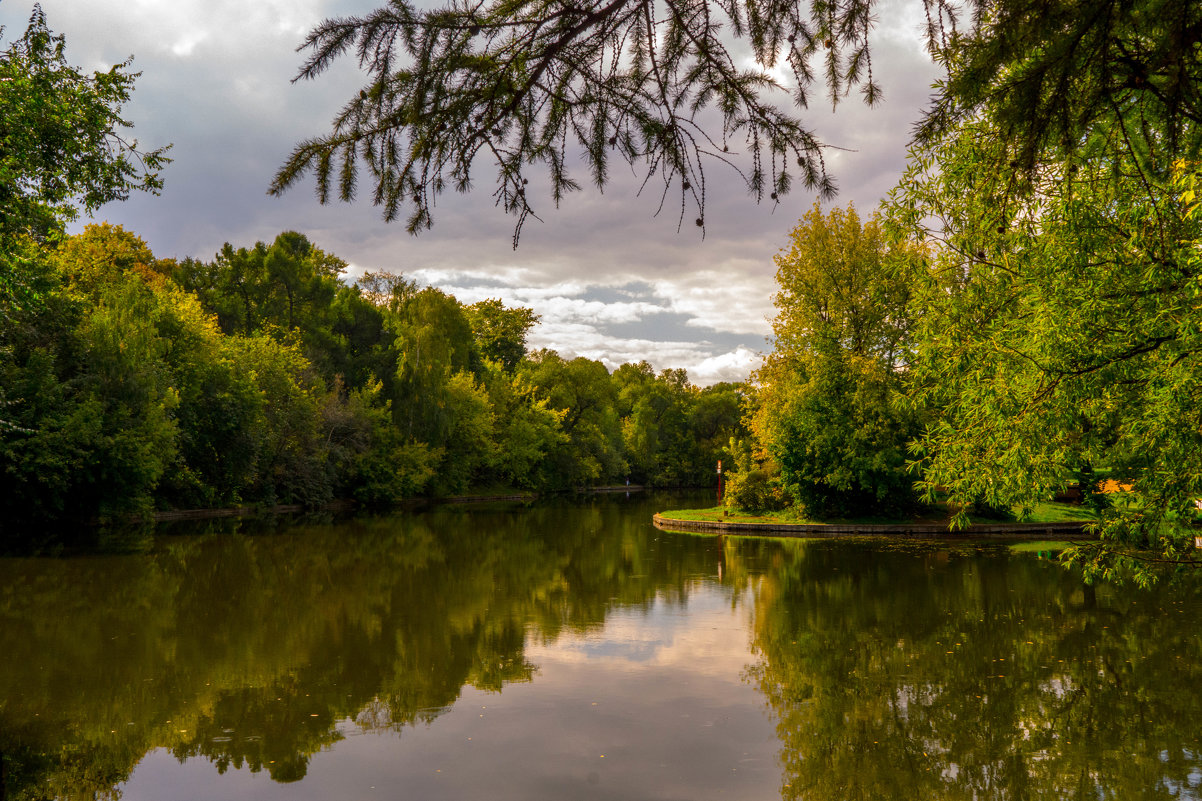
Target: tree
{"x":660,"y":86}
{"x":714,"y":419}
{"x":292,"y":465}
{"x":434,"y":343}
{"x":62,"y":135}
{"x":1061,"y":75}
{"x":830,"y":410}
{"x":582,"y":391}
{"x":1059,"y":335}
{"x":470,"y":445}
{"x":104,"y":253}
{"x":94,"y":408}
{"x":282,"y":286}
{"x":661,"y":448}
{"x":501,"y":332}
{"x":62,"y":146}
{"x":527,"y":433}
{"x":220,"y":416}
{"x":1058,"y":330}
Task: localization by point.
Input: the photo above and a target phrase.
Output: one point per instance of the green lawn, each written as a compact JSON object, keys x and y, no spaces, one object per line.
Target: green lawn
{"x":715,"y":514}
{"x":1047,"y":512}
{"x":1052,"y":512}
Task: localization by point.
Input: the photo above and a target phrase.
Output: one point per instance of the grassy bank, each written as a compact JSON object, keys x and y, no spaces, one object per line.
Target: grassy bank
{"x":1048,"y":512}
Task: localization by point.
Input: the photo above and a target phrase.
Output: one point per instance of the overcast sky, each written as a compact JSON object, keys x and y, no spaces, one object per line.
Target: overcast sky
{"x":611,"y":281}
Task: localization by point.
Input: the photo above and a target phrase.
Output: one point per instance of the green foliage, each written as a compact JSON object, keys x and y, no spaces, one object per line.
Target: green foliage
{"x":756,"y":489}
{"x":830,"y":410}
{"x":582,"y":390}
{"x":260,"y":378}
{"x":662,"y":88}
{"x":433,"y":343}
{"x":62,"y":146}
{"x":1060,"y":325}
{"x":220,"y":416}
{"x":673,"y":433}
{"x":834,"y":427}
{"x":128,"y":382}
{"x":377,"y":464}
{"x":103,"y":254}
{"x":62,"y":134}
{"x":653,"y":411}
{"x":278,"y":287}
{"x":292,"y":463}
{"x":501,"y":332}
{"x":92,"y":405}
{"x":469,"y":448}
{"x":527,"y":432}
{"x":1067,"y":75}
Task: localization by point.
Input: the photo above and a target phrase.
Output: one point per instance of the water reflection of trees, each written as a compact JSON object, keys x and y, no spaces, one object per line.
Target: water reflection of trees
{"x":920,"y":674}
{"x":258,"y":651}
{"x":963,"y":674}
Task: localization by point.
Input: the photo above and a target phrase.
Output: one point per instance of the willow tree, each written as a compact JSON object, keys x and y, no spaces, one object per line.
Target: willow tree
{"x":1059,"y":326}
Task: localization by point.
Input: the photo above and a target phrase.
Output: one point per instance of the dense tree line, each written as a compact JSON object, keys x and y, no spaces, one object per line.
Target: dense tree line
{"x":1021,"y":317}
{"x":262,"y":377}
{"x":1050,"y":204}
{"x":992,"y":347}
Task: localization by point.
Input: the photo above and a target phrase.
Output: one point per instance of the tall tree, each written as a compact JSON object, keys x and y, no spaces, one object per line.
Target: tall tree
{"x":64,"y":143}
{"x":93,"y":414}
{"x":434,"y":343}
{"x":1058,"y":330}
{"x":830,"y":409}
{"x":283,"y":286}
{"x":105,"y":253}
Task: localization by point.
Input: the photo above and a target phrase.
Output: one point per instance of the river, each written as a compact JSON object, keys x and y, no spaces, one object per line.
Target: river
{"x":568,"y":650}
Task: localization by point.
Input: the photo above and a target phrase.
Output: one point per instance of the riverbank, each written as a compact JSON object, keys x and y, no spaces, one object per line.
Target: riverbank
{"x":171,"y":515}
{"x":1058,"y":530}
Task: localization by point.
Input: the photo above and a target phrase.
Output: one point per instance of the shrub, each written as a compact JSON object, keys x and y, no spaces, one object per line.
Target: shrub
{"x":755,"y":490}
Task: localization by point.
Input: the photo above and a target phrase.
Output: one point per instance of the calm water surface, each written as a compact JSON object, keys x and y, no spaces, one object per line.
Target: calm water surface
{"x":571,"y":651}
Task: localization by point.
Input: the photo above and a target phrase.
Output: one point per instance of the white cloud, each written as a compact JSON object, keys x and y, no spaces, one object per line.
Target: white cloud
{"x":733,"y":366}
{"x":185,"y":45}
{"x":738,"y":300}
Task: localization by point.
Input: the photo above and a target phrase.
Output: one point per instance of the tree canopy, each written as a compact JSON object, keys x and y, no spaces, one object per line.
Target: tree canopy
{"x":829,"y":410}
{"x":1057,"y":311}
{"x":260,"y":377}
{"x":65,"y":145}
{"x":660,"y":86}
{"x":528,"y":83}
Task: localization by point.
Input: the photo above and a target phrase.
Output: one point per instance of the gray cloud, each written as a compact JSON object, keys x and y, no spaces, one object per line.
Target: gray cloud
{"x":216,"y":83}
